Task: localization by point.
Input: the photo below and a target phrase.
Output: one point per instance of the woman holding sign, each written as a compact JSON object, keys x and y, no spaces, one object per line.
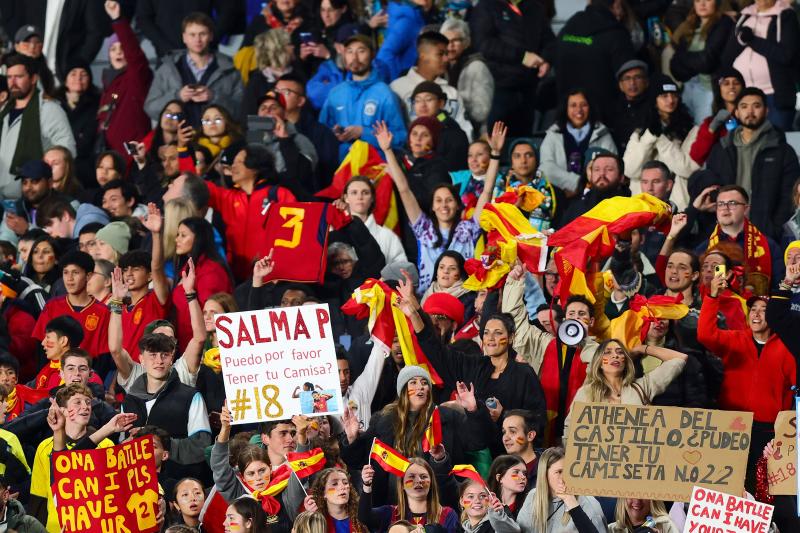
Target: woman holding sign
{"x":252,"y":478}
{"x":549,"y":509}
{"x":611,"y":377}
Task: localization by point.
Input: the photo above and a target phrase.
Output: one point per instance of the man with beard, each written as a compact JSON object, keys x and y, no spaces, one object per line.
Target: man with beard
{"x":605,"y":172}
{"x":356,"y":104}
{"x":756,"y":157}
{"x":35,"y":177}
{"x":29,"y":125}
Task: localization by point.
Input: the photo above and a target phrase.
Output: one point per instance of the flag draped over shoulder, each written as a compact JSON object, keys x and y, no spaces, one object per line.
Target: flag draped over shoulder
{"x":509,"y":236}
{"x":279,"y":480}
{"x":589,"y":237}
{"x":433,"y":433}
{"x":306,"y":463}
{"x":375,"y":300}
{"x":363,"y":159}
{"x":388,"y":458}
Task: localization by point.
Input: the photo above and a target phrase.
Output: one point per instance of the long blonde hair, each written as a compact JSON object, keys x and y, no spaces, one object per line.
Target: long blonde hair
{"x":308,"y":522}
{"x":657,"y":509}
{"x":407,"y":439}
{"x":272,"y":49}
{"x":175,"y":210}
{"x":685,"y":31}
{"x":599,"y":388}
{"x":432,"y":506}
{"x":542,"y":496}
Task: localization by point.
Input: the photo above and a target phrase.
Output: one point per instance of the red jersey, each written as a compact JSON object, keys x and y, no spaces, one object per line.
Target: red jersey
{"x":211,"y":278}
{"x":21,"y":397}
{"x":136,"y":317}
{"x":50,"y":376}
{"x":93,"y":318}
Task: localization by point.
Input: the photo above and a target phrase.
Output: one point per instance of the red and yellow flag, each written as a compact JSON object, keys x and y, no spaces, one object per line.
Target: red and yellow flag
{"x":433,"y":433}
{"x":375,"y":299}
{"x":363,"y":159}
{"x":589,"y":237}
{"x":279,"y":481}
{"x":469,"y":472}
{"x":390,"y":459}
{"x":632,"y":326}
{"x":306,"y":463}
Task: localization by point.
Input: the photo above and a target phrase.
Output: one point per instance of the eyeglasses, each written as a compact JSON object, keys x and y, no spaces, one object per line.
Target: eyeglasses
{"x":730,"y":204}
{"x":635,"y":77}
{"x":83,"y":246}
{"x":172,"y":116}
{"x":425,"y":100}
{"x":208,"y":122}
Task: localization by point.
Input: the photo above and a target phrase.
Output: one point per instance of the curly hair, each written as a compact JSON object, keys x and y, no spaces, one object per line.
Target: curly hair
{"x":272,"y":49}
{"x":317,"y":491}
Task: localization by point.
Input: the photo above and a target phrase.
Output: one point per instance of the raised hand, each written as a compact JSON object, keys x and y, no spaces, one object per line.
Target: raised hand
{"x":438,"y":452}
{"x":383,"y":135}
{"x":407,"y":302}
{"x":367,"y":475}
{"x":496,"y":503}
{"x":154,"y":221}
{"x":121,"y":422}
{"x":351,"y":424}
{"x":718,"y":284}
{"x":466,"y":396}
{"x":263,"y":267}
{"x":225,"y":420}
{"x":495,"y":412}
{"x":679,"y":222}
{"x":112,"y":9}
{"x":703,"y":202}
{"x":498,"y":137}
{"x":188,"y":277}
{"x":517,"y":271}
{"x":185,"y":134}
{"x":119,"y":289}
{"x":55,"y":416}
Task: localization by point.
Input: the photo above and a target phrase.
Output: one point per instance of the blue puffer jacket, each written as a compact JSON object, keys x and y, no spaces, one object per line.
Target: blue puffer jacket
{"x":399,"y":48}
{"x":329,"y":75}
{"x":362,"y":103}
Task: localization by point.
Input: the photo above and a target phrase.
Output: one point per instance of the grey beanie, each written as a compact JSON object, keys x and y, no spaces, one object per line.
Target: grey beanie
{"x":117,"y":235}
{"x":408,"y":373}
{"x":394,"y":271}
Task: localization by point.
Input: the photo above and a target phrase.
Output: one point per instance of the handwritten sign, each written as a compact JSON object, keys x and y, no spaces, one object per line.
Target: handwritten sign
{"x":782,"y":464}
{"x":277,"y":363}
{"x":657,"y":453}
{"x":109,"y":490}
{"x":714,"y":512}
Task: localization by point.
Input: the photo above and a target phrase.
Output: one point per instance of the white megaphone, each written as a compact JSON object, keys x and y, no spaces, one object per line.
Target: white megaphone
{"x":571,"y":332}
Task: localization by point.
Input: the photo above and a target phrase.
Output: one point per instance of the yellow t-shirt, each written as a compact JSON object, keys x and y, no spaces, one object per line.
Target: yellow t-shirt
{"x":16,"y":450}
{"x":40,"y":479}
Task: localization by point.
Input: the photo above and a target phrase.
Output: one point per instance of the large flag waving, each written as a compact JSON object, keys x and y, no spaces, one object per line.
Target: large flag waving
{"x":375,"y":299}
{"x":589,"y":237}
{"x":364,"y":160}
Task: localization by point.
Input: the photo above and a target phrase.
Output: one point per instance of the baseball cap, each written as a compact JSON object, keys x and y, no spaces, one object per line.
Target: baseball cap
{"x":26,"y":32}
{"x":35,"y":169}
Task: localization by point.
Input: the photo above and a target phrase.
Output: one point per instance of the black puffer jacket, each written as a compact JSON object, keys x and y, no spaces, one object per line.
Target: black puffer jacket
{"x":592,"y":46}
{"x":685,"y":64}
{"x":503,"y":36}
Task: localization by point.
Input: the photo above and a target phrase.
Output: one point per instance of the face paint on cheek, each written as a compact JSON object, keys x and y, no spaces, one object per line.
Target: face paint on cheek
{"x":408,"y":483}
{"x":234,"y":526}
{"x":412,"y":392}
{"x":605,"y":360}
{"x":515,"y":477}
{"x":330,"y":492}
{"x":520,"y":440}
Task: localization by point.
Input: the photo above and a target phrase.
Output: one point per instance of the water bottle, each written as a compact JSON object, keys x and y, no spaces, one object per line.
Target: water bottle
{"x":649,"y":522}
{"x":491,"y":403}
{"x":731,"y":124}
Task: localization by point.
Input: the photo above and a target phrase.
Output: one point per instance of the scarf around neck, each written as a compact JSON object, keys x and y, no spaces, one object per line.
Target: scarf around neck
{"x":29,"y":142}
{"x":456,"y":290}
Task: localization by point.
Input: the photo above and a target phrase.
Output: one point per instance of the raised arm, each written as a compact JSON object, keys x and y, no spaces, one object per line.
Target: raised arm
{"x":496,"y":142}
{"x":410,"y":203}
{"x":195,"y":346}
{"x":122,"y":358}
{"x":154,"y":223}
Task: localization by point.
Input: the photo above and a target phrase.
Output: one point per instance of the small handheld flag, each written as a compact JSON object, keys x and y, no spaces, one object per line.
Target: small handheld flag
{"x":306,"y":463}
{"x":433,"y":433}
{"x":469,"y":472}
{"x":390,"y":459}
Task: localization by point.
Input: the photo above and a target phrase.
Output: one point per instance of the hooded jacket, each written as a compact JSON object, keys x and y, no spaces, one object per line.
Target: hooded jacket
{"x":768,"y":61}
{"x":554,"y":157}
{"x":775,"y":169}
{"x":18,"y":521}
{"x":363,"y":103}
{"x":591,"y":47}
{"x":399,"y":48}
{"x":87,"y":214}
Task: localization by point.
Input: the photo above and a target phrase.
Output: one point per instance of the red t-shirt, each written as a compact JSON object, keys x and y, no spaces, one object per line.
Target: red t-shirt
{"x":49,"y":377}
{"x":93,"y":318}
{"x":136,"y":317}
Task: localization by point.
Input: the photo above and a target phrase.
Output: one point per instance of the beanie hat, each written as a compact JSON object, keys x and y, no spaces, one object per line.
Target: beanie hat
{"x":793,"y":244}
{"x":433,"y":125}
{"x":68,"y":327}
{"x":662,"y":84}
{"x":113,"y":39}
{"x":730,"y":72}
{"x":524,"y":140}
{"x":80,"y":259}
{"x":429,"y":87}
{"x":394,"y":271}
{"x":442,"y":303}
{"x":117,"y":235}
{"x":408,"y":373}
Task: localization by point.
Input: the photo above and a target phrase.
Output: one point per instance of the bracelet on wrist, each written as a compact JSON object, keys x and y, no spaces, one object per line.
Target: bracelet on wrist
{"x":191,"y":296}
{"x":494,"y":156}
{"x":115,"y":308}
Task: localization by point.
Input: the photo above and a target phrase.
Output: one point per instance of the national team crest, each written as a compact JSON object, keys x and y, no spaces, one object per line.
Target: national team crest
{"x":91,"y":322}
{"x":137,"y":316}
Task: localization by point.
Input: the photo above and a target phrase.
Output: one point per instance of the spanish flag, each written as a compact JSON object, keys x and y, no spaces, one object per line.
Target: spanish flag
{"x":632,"y":326}
{"x":364,"y":160}
{"x":526,"y":197}
{"x":306,"y":463}
{"x":469,"y":472}
{"x":390,"y":459}
{"x":433,"y":433}
{"x":375,"y":299}
{"x":589,"y":237}
{"x":279,"y":480}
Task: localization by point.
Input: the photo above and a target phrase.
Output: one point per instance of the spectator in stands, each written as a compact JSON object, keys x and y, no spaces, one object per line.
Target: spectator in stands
{"x":219,"y":130}
{"x":699,"y":43}
{"x":80,"y":100}
{"x":468,"y":72}
{"x":592,"y":46}
{"x":30,"y":124}
{"x":355,"y":105}
{"x":274,"y":56}
{"x":518,"y":45}
{"x":398,"y":50}
{"x":630,"y":109}
{"x":61,"y":220}
{"x":290,"y":15}
{"x":41,"y":265}
{"x":605,"y":172}
{"x":112,"y":241}
{"x":359,"y":195}
{"x":726,"y":88}
{"x":120,"y":200}
{"x":198,"y":76}
{"x":566,"y":142}
{"x":99,"y":284}
{"x":63,"y":168}
{"x":757,"y":157}
{"x":121,"y":117}
{"x":763,"y":47}
{"x":431,"y":66}
{"x":35,"y":177}
{"x":667,"y":137}
{"x":791,"y":229}
{"x":28,"y":42}
{"x":429,"y":100}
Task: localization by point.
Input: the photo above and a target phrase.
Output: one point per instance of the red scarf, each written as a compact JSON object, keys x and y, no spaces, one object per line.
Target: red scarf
{"x":757,"y":257}
{"x":550,"y":378}
{"x":270,"y":505}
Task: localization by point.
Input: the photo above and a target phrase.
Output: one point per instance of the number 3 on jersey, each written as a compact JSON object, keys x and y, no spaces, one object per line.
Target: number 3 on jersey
{"x":294,"y":221}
